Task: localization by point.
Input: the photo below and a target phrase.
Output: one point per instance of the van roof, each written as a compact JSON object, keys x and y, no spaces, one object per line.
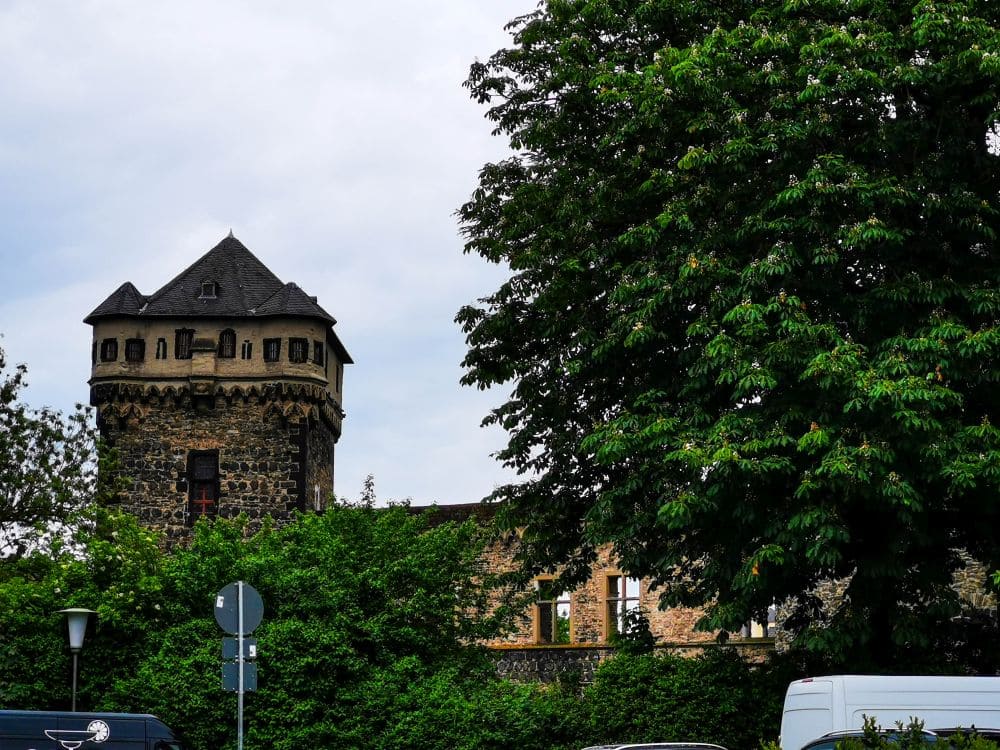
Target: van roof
{"x":103,"y":715}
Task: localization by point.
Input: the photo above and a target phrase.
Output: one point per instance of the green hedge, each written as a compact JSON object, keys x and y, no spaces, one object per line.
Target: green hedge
{"x":367,"y":641}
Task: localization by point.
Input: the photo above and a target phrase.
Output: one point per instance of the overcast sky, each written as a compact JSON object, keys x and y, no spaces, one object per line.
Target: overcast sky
{"x":334,"y":139}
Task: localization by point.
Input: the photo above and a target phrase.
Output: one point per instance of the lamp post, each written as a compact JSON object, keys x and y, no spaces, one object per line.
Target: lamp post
{"x":76,"y":620}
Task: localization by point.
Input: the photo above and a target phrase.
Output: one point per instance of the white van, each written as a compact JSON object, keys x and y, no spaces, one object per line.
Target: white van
{"x":817,"y":705}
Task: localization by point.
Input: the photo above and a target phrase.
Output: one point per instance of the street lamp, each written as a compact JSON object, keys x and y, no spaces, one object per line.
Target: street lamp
{"x":76,"y":620}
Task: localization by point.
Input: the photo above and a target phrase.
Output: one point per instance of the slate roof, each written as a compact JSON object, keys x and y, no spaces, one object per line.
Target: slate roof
{"x":125,"y":300}
{"x":246,"y":288}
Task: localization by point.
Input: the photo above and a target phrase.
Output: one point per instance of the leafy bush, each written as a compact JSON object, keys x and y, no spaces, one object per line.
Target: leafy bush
{"x":368,"y":636}
{"x":715,"y":697}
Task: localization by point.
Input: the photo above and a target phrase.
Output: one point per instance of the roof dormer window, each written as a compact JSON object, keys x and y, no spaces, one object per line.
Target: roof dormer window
{"x":209,"y":290}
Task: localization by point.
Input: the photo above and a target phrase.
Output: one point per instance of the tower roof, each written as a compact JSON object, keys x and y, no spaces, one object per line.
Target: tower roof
{"x":125,"y":300}
{"x":228,"y":281}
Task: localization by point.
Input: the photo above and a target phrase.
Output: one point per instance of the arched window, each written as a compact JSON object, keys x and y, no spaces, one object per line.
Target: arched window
{"x":227,"y":344}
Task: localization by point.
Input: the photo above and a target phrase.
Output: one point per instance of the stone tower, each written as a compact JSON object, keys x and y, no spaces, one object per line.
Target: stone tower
{"x":222,"y":392}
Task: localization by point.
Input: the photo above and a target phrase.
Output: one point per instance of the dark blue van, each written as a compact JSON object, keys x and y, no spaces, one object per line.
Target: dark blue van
{"x":65,"y":730}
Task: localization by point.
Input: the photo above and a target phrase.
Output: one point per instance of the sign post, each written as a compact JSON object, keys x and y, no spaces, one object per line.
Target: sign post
{"x":239,"y":610}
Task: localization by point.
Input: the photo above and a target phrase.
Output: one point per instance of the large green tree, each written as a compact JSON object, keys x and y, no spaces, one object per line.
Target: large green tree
{"x":48,"y":466}
{"x":751,"y":319}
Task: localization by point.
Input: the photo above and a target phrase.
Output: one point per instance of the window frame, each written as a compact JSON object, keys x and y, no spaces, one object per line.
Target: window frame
{"x":757,"y":629}
{"x":298,"y":350}
{"x":227,"y":344}
{"x":109,"y":350}
{"x":135,"y":347}
{"x":272,"y":350}
{"x":617,"y":602}
{"x":318,"y":350}
{"x":161,"y":348}
{"x":246,"y":349}
{"x":550,"y":602}
{"x":183,"y":343}
{"x":211,"y":484}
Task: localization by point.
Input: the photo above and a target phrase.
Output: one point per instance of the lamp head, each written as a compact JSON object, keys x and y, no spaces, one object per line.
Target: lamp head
{"x":76,"y":619}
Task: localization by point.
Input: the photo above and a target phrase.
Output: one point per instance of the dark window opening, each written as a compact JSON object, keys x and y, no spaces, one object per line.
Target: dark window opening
{"x":182,"y":343}
{"x":109,"y":350}
{"x":93,"y":353}
{"x":272,"y":350}
{"x":209,"y":290}
{"x":227,"y":344}
{"x":203,"y":482}
{"x":135,"y":350}
{"x":298,"y":350}
{"x":340,"y":377}
{"x":317,"y":352}
{"x":161,"y":348}
{"x":247,"y":351}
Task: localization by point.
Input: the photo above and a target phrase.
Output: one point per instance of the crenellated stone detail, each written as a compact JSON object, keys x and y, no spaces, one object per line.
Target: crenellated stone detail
{"x":289,"y":400}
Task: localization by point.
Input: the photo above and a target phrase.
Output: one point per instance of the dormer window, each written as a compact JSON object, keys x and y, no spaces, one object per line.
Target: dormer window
{"x":209,"y":290}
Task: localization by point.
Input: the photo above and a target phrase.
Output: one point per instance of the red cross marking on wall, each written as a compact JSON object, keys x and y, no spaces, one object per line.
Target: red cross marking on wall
{"x":203,"y":501}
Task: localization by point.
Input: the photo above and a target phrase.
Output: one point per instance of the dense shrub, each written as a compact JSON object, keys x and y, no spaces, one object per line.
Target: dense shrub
{"x":367,"y":641}
{"x":715,"y":697}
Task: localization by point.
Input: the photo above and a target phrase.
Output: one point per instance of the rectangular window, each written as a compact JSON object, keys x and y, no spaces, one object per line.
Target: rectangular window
{"x":203,"y":485}
{"x":317,"y":352}
{"x":340,"y":377}
{"x":755,"y":629}
{"x":227,"y":344}
{"x":298,"y":350}
{"x":622,"y":598}
{"x":93,"y":353}
{"x":135,"y":350}
{"x":109,"y":350}
{"x":272,"y":350}
{"x":552,"y":613}
{"x":182,"y":343}
{"x":161,"y":348}
{"x":247,"y":350}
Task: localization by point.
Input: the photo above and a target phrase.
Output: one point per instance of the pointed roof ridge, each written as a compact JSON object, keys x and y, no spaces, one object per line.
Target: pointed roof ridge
{"x":242,"y":287}
{"x":242,"y":278}
{"x":125,"y":300}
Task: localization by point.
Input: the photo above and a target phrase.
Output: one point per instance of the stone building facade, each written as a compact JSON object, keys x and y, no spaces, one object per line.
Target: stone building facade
{"x":570,"y":632}
{"x":222,"y":393}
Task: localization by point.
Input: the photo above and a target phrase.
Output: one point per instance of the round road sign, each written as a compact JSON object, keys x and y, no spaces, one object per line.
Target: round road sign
{"x":227,"y":608}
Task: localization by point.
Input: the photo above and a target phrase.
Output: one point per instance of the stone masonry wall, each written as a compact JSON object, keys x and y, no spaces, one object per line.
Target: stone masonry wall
{"x":579,"y":663}
{"x":261,"y":454}
{"x":589,"y":621}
